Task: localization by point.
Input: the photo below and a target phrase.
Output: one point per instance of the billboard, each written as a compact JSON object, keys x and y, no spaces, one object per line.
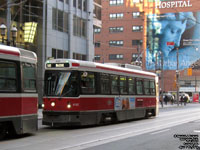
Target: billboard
{"x":171,"y":32}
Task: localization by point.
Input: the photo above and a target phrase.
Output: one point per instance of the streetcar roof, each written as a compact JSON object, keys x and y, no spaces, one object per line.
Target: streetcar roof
{"x":87,"y":65}
{"x":14,"y":53}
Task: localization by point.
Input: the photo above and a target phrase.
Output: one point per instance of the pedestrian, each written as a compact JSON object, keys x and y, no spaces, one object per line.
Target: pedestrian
{"x":185,"y":99}
{"x":165,"y":99}
{"x":172,"y":99}
{"x":182,"y":99}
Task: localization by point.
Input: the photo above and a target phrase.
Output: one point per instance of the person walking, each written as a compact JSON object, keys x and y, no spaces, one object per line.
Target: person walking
{"x":185,"y":99}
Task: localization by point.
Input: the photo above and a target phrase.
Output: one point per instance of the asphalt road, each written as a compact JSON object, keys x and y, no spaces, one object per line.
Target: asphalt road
{"x":155,"y":133}
{"x":185,"y":136}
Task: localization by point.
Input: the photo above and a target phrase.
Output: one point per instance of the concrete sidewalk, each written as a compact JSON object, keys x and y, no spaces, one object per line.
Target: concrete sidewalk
{"x":175,"y":105}
{"x":40,"y":114}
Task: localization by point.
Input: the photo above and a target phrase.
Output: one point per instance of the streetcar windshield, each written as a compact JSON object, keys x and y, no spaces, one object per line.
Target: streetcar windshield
{"x":61,"y":84}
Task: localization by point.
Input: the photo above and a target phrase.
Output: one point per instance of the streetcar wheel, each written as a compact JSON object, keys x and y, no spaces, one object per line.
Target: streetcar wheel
{"x":148,"y":114}
{"x":3,"y":131}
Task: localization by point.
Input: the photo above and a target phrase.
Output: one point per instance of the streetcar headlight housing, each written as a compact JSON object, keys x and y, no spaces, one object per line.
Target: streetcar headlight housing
{"x":69,"y":105}
{"x":53,"y":104}
{"x":42,"y":105}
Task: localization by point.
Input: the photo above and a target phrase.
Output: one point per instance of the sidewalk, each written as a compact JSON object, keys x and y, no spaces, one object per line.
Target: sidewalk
{"x":175,"y":105}
{"x":40,"y":114}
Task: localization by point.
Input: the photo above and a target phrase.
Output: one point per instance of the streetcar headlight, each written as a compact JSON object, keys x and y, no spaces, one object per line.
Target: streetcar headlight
{"x":53,"y":104}
{"x":69,"y":105}
{"x":42,"y":105}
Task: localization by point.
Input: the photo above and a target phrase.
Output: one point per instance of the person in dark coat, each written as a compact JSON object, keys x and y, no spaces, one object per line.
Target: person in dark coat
{"x":166,"y":99}
{"x":185,"y":99}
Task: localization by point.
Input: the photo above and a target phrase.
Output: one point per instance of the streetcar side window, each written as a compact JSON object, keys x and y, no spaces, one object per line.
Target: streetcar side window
{"x":29,"y":77}
{"x":105,"y":83}
{"x":139,"y":86}
{"x":123,"y":85}
{"x":88,"y":83}
{"x":8,"y":76}
{"x":152,"y":88}
{"x":131,"y":85}
{"x":114,"y":84}
{"x":146,"y":87}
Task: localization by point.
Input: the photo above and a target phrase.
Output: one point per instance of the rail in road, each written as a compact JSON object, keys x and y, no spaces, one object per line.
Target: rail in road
{"x":75,"y":139}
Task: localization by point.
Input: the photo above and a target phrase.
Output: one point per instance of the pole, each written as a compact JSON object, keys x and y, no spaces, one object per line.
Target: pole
{"x":8,"y":21}
{"x":177,"y":76}
{"x":159,"y":67}
{"x":162,"y":77}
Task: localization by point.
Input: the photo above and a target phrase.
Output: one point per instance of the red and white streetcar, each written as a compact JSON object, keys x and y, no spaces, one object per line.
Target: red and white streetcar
{"x":18,"y":95}
{"x":89,"y":93}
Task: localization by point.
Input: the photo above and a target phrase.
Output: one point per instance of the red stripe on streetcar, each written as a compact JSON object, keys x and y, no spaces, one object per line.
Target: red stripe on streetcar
{"x":75,"y":64}
{"x":18,"y":106}
{"x":9,"y":52}
{"x":111,"y":69}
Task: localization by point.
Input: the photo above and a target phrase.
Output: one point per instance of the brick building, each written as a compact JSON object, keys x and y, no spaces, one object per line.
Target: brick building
{"x":128,"y":31}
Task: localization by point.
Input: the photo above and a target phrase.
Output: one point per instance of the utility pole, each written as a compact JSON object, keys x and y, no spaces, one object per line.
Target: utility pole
{"x":177,"y":75}
{"x":159,"y":70}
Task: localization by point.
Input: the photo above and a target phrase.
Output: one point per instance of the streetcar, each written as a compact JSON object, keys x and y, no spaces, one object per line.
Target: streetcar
{"x":18,"y":94}
{"x":79,"y":93}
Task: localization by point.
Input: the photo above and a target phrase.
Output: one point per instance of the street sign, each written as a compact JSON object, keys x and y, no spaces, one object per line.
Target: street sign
{"x":170,"y":43}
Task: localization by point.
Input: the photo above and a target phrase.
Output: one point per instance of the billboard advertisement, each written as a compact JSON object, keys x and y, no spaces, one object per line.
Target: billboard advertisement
{"x":124,"y":103}
{"x":171,"y":32}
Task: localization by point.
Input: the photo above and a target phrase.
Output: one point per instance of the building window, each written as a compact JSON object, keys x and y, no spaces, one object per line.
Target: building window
{"x":116,"y":56}
{"x":134,"y":57}
{"x":66,"y":23}
{"x":61,"y":0}
{"x":136,"y":14}
{"x":136,"y":42}
{"x":80,"y":4}
{"x":54,"y":18}
{"x":79,"y":26}
{"x":56,"y":53}
{"x":84,"y":5}
{"x":97,"y":57}
{"x":116,"y":2}
{"x":79,"y":56}
{"x":116,"y":16}
{"x":97,"y":44}
{"x":74,"y":3}
{"x":116,"y":29}
{"x":116,"y":43}
{"x":83,"y":28}
{"x":97,"y":30}
{"x":59,"y":20}
{"x":137,"y":28}
{"x":67,"y":1}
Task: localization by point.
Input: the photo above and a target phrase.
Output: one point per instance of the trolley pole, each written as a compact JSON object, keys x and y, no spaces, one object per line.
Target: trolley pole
{"x":177,"y":76}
